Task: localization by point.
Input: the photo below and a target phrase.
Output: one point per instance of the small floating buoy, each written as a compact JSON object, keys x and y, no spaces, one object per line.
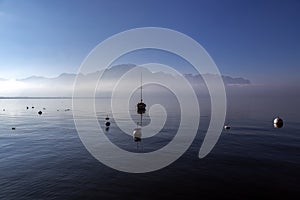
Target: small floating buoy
{"x":27,"y":107}
{"x":107,"y":118}
{"x":226,"y":127}
{"x":13,"y":128}
{"x":32,"y":107}
{"x":107,"y":124}
{"x":137,"y":134}
{"x":3,"y":109}
{"x":278,"y":122}
{"x":57,"y":110}
{"x":44,"y":108}
{"x":40,"y":112}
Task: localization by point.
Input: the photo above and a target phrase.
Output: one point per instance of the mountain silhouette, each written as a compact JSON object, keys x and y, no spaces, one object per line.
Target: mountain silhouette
{"x":62,"y":85}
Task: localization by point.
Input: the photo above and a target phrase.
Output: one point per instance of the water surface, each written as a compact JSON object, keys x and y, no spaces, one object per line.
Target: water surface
{"x":45,"y":159}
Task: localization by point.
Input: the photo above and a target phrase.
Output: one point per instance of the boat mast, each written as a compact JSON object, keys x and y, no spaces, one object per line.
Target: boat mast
{"x":141,"y":87}
{"x":141,"y":107}
{"x":141,"y":96}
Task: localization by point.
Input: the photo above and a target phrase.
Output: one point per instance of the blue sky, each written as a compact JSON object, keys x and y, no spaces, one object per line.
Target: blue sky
{"x":258,"y":40}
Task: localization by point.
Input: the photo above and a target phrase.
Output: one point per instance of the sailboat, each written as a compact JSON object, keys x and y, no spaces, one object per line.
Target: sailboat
{"x":141,"y":109}
{"x":141,"y":106}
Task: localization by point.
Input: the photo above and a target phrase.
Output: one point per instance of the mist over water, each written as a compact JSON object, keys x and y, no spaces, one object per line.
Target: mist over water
{"x":45,"y":159}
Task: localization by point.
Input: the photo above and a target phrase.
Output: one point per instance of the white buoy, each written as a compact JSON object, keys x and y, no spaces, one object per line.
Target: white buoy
{"x":278,"y":122}
{"x":137,"y":134}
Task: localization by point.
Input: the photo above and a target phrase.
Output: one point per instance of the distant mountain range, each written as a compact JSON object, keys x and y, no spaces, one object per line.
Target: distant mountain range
{"x":63,"y":84}
{"x":117,"y":71}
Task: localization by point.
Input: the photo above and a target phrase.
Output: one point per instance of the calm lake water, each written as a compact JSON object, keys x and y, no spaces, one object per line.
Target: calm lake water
{"x":45,"y":159}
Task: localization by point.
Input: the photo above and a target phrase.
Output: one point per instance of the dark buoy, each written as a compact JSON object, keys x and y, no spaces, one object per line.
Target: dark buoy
{"x":44,"y":108}
{"x":32,"y":107}
{"x":13,"y":128}
{"x":3,"y":109}
{"x":107,"y":124}
{"x":278,"y":122}
{"x":227,"y":127}
{"x":40,"y":112}
{"x":27,"y":107}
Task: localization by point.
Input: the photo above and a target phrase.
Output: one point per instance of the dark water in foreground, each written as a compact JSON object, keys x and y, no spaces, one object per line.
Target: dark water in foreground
{"x":45,"y":159}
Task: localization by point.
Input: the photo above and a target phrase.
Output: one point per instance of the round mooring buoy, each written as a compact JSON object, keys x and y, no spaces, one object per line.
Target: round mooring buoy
{"x":278,"y":122}
{"x":107,"y":124}
{"x":40,"y":112}
{"x":137,"y":134}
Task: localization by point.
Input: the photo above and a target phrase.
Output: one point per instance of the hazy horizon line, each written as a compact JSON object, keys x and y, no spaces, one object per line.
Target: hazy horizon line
{"x":114,"y":66}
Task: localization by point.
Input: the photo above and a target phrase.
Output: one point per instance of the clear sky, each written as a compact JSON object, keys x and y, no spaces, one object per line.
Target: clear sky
{"x":258,"y":40}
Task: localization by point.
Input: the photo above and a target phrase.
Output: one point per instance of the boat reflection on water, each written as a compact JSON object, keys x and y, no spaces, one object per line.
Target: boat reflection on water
{"x":137,"y":134}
